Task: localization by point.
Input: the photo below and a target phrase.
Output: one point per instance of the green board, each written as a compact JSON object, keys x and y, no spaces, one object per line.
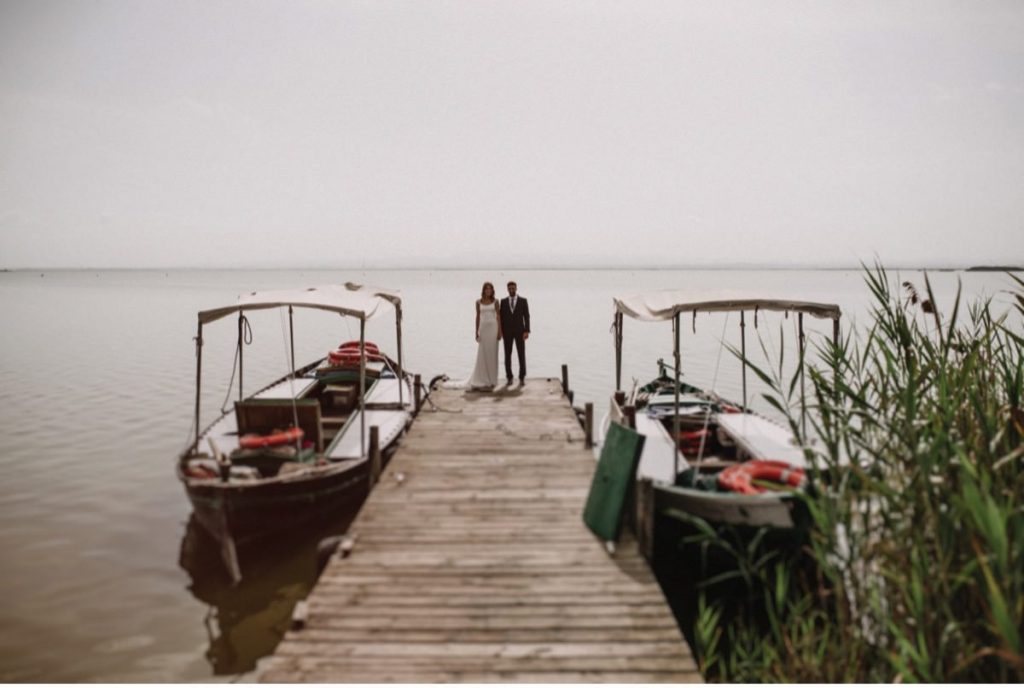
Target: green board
{"x":613,"y":478}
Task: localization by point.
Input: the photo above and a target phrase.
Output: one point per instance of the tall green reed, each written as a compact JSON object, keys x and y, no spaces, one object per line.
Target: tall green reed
{"x":917,"y":536}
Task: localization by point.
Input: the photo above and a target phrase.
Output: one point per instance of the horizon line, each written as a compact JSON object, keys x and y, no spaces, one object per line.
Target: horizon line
{"x":538,"y":268}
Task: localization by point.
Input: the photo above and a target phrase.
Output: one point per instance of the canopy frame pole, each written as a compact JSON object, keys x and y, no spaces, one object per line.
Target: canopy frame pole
{"x":362,"y":385}
{"x":241,"y":321}
{"x":618,"y":351}
{"x":743,"y":355}
{"x":291,"y":336}
{"x":675,"y":417}
{"x":835,"y":358}
{"x":398,"y":336}
{"x":199,"y":379}
{"x":803,"y":397}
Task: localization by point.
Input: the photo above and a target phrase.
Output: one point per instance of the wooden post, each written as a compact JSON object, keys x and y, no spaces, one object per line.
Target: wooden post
{"x":588,"y":424}
{"x":643,"y":517}
{"x":630,"y":413}
{"x":199,"y":380}
{"x":571,"y":395}
{"x":375,"y":458}
{"x":565,"y":379}
{"x":417,"y":399}
{"x":620,"y":398}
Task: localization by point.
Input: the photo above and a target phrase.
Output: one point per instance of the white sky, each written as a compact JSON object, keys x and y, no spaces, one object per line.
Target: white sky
{"x":240,"y":133}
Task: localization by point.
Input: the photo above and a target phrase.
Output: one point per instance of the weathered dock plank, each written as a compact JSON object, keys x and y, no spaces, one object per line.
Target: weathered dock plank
{"x":472,"y":564}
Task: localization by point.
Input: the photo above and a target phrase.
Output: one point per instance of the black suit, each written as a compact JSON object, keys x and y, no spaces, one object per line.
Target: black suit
{"x":514,"y":324}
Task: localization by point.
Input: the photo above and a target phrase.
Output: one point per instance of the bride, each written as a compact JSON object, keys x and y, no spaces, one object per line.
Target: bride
{"x":488,"y":333}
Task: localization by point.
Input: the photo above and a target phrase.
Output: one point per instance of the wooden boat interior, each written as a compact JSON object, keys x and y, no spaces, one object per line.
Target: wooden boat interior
{"x":324,"y":401}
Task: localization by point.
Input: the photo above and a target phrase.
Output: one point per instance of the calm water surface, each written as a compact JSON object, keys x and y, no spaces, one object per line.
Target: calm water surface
{"x":104,"y":577}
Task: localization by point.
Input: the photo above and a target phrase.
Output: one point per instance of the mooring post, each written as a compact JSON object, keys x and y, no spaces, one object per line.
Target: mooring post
{"x":416,"y":384}
{"x":375,"y":458}
{"x":630,"y":413}
{"x":643,"y":517}
{"x":588,"y":424}
{"x":565,"y":379}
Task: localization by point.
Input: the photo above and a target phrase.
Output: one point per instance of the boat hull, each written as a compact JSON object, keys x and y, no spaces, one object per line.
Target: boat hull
{"x":780,"y":511}
{"x":263,"y":509}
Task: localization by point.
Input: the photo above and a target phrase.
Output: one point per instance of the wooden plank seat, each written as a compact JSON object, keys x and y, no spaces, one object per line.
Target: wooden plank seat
{"x":261,"y":416}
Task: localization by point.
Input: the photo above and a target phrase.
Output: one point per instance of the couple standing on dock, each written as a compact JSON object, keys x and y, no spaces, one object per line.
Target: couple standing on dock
{"x":507,"y":320}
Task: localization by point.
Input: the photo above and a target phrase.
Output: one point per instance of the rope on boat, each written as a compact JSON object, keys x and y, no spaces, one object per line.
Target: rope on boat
{"x":430,"y":388}
{"x":245,"y":340}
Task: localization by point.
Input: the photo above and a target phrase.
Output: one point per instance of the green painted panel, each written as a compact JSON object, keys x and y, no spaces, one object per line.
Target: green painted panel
{"x":616,"y":470}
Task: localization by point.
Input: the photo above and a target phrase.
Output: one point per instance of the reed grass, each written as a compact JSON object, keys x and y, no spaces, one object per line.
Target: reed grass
{"x":917,"y":536}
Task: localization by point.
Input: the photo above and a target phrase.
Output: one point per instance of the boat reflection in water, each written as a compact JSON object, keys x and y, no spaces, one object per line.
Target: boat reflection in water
{"x":247,"y":620}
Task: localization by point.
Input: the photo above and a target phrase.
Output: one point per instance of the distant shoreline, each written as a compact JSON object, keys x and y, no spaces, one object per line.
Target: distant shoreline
{"x":598,"y":268}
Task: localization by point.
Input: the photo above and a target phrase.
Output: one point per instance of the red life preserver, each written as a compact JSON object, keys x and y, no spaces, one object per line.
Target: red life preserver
{"x":690,"y":440}
{"x":274,"y":439}
{"x":370,"y":346}
{"x":347,"y":354}
{"x":739,"y":478}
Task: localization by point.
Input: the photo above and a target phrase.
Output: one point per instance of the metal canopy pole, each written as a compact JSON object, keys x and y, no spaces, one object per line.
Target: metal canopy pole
{"x":835,"y":359}
{"x":291,"y":335}
{"x":803,"y":401}
{"x":618,"y":351}
{"x":362,"y":385}
{"x":401,"y":369}
{"x":675,"y":417}
{"x":241,"y":320}
{"x":199,"y":370}
{"x":743,"y":352}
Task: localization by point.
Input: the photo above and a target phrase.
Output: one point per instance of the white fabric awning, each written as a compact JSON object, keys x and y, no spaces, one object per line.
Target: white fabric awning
{"x":349,"y":299}
{"x":664,"y":305}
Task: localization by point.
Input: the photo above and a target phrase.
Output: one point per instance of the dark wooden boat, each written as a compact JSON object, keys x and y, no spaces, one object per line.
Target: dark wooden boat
{"x":304,"y":446}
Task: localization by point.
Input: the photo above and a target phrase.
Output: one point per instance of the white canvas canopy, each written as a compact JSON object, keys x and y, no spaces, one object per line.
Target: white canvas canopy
{"x":348,"y":299}
{"x":664,"y":305}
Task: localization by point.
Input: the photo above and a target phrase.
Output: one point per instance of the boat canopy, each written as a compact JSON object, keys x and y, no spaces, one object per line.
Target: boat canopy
{"x":352,"y":299}
{"x":665,"y":305}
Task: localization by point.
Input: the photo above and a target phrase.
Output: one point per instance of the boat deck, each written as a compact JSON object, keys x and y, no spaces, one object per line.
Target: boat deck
{"x":471,"y":563}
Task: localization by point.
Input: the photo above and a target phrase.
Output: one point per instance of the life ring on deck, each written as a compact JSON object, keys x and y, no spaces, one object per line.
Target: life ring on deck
{"x":274,"y":439}
{"x":740,"y":478}
{"x":354,"y":344}
{"x":690,"y":440}
{"x":350,"y":357}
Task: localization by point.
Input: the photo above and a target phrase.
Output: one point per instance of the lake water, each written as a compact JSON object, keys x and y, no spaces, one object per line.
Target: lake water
{"x":104,"y":578}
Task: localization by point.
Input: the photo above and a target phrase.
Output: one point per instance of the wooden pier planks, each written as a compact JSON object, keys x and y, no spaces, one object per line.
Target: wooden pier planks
{"x":472,"y":564}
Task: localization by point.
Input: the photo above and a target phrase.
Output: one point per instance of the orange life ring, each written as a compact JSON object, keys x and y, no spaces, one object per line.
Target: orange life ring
{"x":739,"y":478}
{"x":370,"y":346}
{"x":274,"y":439}
{"x":346,"y":357}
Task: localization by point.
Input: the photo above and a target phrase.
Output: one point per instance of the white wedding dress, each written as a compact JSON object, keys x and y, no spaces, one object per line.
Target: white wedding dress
{"x":485,"y":374}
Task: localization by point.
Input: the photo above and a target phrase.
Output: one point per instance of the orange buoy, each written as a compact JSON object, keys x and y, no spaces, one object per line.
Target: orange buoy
{"x":274,"y":439}
{"x":740,"y":478}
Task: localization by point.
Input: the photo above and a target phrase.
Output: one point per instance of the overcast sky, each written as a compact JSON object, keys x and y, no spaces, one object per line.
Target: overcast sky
{"x":510,"y":133}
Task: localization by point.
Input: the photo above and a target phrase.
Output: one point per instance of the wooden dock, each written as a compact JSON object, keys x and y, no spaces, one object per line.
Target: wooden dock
{"x":471,"y":563}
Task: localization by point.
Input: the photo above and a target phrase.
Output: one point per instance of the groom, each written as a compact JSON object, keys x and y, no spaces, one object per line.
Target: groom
{"x":515,"y":327}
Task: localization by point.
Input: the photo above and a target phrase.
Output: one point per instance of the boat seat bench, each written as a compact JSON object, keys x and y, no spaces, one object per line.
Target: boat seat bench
{"x":260,"y":416}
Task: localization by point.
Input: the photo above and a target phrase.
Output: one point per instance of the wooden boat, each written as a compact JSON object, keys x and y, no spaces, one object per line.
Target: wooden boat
{"x":299,"y":448}
{"x":696,"y":443}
